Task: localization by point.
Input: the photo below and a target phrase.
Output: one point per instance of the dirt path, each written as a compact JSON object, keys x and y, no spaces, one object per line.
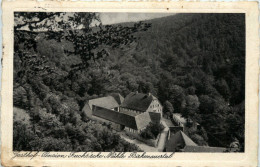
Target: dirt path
{"x":145,"y":147}
{"x":163,"y":137}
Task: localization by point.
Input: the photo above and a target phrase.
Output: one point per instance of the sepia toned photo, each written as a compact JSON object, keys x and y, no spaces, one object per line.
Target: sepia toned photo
{"x":129,"y":82}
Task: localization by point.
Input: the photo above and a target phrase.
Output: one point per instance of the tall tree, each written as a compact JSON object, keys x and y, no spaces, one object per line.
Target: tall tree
{"x":177,"y":97}
{"x":168,"y":108}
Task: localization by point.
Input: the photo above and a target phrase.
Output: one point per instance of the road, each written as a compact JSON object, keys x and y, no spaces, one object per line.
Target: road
{"x":163,"y":137}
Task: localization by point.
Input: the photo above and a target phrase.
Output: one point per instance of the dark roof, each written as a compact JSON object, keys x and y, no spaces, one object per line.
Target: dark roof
{"x":117,"y":97}
{"x":138,"y":101}
{"x":108,"y":102}
{"x":174,"y":129}
{"x":155,"y":117}
{"x":135,"y":122}
{"x":203,"y":149}
{"x":178,"y":140}
{"x":129,"y":112}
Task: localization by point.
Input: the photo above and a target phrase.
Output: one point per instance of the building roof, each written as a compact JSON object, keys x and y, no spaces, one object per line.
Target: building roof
{"x":174,"y":129}
{"x":155,"y":117}
{"x":203,"y":149}
{"x":187,"y":140}
{"x":142,"y":120}
{"x":135,"y":122}
{"x":138,"y":101}
{"x":117,"y":97}
{"x":108,"y":102}
{"x":168,"y":122}
{"x":129,"y":112}
{"x":178,"y":141}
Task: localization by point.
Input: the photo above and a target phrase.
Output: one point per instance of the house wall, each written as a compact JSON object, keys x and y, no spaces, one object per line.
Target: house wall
{"x":86,"y":109}
{"x":115,"y":126}
{"x":100,"y":119}
{"x":155,"y":106}
{"x":175,"y":129}
{"x":132,"y":130}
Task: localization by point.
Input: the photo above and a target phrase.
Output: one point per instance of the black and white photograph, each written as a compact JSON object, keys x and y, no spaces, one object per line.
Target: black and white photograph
{"x":129,"y":82}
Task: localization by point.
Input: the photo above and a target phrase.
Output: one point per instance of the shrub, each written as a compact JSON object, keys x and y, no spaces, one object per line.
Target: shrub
{"x":152,"y":131}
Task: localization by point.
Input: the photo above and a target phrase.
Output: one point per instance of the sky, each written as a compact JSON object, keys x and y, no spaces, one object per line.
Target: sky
{"x":113,"y":18}
{"x":110,"y":18}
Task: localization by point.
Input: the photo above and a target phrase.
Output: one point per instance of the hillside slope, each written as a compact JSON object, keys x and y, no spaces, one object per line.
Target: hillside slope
{"x":194,"y":61}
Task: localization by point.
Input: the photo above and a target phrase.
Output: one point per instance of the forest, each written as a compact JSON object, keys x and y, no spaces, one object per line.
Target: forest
{"x":194,"y":64}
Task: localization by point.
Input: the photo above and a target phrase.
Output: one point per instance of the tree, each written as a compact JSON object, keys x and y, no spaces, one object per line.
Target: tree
{"x":84,"y":43}
{"x":168,"y":108}
{"x":191,"y":108}
{"x":53,"y":20}
{"x":177,"y":97}
{"x":23,"y":133}
{"x":62,"y":66}
{"x":145,"y":87}
{"x":147,"y":134}
{"x":20,"y":97}
{"x":206,"y":104}
{"x":191,"y":90}
{"x":192,"y":101}
{"x":152,"y":131}
{"x":223,"y":88}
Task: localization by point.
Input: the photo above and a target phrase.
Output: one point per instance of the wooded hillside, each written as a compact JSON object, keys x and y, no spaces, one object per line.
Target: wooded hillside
{"x":194,"y":61}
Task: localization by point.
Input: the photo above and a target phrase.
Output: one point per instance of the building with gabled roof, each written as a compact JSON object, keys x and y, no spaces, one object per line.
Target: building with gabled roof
{"x":113,"y":109}
{"x":108,"y":102}
{"x":140,"y":103}
{"x":128,"y":122}
{"x":118,"y":97}
{"x":180,"y":142}
{"x":155,"y":117}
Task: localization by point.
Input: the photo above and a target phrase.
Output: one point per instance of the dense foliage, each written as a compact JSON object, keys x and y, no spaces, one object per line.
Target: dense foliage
{"x":196,"y":62}
{"x":152,"y":131}
{"x":167,"y":109}
{"x":44,"y":67}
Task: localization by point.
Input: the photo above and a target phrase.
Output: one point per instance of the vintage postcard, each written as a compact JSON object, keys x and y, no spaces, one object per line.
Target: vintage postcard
{"x":129,"y":83}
